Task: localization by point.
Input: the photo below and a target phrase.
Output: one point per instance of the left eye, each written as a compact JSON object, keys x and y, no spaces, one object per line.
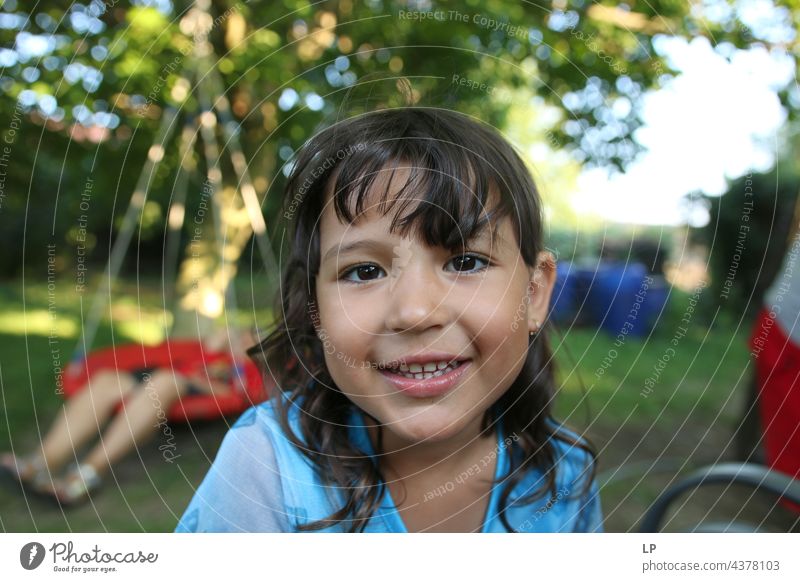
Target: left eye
{"x":368,"y":272}
{"x":467,"y":263}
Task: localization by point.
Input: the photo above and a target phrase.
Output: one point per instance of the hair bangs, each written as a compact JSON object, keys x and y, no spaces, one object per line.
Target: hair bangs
{"x":437,"y":191}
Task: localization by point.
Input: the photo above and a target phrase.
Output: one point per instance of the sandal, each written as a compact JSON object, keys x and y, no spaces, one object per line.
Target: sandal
{"x":76,"y":486}
{"x":30,"y":473}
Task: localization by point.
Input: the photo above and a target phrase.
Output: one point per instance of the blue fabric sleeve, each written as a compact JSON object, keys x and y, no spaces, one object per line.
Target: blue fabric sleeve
{"x":242,"y":491}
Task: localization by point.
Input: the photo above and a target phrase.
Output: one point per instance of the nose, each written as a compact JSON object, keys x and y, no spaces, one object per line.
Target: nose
{"x":418,"y":299}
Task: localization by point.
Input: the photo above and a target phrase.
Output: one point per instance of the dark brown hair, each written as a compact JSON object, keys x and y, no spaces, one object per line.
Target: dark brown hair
{"x":455,"y":163}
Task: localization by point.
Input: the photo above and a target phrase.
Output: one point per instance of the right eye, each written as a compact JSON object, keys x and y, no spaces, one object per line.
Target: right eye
{"x":363,"y":273}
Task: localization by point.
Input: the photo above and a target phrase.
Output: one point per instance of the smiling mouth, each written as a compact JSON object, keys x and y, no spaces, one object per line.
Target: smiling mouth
{"x":424,"y":371}
{"x":430,"y":383}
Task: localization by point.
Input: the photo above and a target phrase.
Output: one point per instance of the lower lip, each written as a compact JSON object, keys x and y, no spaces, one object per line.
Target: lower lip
{"x":427,"y":388}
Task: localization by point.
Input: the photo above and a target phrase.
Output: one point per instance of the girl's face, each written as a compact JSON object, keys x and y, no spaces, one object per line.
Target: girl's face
{"x":383,"y":299}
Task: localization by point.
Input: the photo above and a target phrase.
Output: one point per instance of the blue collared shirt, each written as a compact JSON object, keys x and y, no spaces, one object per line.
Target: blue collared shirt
{"x":261,"y":482}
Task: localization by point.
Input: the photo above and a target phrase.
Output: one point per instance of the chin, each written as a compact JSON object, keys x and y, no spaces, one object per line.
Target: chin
{"x":427,"y":425}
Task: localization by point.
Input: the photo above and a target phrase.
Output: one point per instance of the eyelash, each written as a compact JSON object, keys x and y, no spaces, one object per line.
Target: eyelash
{"x":354,"y":268}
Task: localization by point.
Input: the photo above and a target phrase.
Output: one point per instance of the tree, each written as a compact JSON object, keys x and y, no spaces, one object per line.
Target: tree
{"x":91,"y":81}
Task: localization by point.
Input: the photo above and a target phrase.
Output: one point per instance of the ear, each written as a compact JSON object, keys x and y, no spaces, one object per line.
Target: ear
{"x":540,"y":288}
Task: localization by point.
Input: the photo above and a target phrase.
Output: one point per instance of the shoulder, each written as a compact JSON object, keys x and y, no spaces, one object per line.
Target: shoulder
{"x":574,"y":505}
{"x":259,"y":429}
{"x":576,"y":486}
{"x":243,"y":489}
{"x":255,"y":430}
{"x":574,"y":463}
{"x":264,"y":418}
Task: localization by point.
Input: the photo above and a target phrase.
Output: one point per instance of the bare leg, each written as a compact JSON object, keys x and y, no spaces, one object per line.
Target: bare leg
{"x":138,"y":420}
{"x":82,"y":417}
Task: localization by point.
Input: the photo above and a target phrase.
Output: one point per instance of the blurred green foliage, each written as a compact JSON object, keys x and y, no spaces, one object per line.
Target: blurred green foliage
{"x":86,"y":83}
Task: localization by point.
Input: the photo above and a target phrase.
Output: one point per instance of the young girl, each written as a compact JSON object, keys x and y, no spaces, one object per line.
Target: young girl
{"x":413,"y":308}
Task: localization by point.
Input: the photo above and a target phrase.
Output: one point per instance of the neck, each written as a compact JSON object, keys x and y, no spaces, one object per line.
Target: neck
{"x":408,"y":458}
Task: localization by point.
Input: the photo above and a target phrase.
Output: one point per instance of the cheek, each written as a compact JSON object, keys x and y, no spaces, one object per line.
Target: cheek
{"x":503,"y":329}
{"x":346,"y":326}
{"x":501,"y":311}
{"x":344,"y":313}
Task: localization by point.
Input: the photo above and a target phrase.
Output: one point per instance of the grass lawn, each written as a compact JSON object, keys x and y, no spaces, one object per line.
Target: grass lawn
{"x":645,"y":437}
{"x":145,"y":493}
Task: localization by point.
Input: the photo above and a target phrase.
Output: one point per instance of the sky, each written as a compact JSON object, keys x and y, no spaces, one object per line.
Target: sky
{"x":719,"y":118}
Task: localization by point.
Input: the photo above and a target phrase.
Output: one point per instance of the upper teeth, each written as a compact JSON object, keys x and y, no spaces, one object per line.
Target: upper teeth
{"x":429,"y":367}
{"x":424,"y":371}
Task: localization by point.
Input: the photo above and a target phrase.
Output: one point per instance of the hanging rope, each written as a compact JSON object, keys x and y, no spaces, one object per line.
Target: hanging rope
{"x":176,"y":216}
{"x":123,"y":240}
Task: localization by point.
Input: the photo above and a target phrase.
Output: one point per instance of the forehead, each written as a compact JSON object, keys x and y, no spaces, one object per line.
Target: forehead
{"x":391,"y":198}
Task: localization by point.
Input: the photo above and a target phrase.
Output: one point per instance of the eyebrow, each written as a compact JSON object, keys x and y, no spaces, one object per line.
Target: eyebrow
{"x":376,"y":245}
{"x":364,"y":244}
